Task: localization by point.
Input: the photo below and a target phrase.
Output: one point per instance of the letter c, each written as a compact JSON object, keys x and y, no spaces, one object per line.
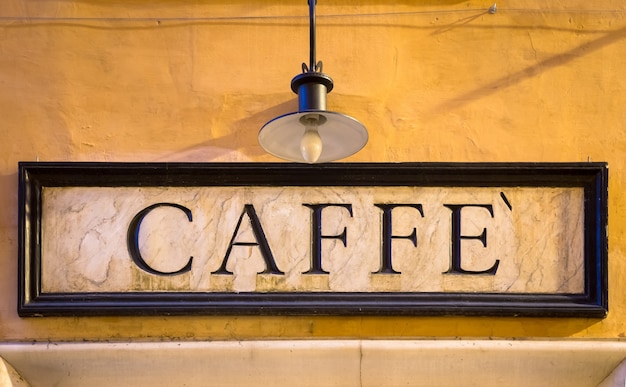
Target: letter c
{"x":132,"y":240}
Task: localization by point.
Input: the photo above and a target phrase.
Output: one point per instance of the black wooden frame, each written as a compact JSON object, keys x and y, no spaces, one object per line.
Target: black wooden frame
{"x":593,"y":177}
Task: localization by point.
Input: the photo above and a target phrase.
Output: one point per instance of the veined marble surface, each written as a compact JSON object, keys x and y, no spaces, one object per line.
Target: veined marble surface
{"x":536,"y":233}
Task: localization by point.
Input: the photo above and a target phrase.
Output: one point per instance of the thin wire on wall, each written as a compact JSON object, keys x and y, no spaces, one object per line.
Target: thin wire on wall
{"x":279,"y":17}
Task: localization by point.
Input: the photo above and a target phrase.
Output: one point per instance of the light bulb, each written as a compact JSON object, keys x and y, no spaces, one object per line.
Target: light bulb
{"x":311,"y":143}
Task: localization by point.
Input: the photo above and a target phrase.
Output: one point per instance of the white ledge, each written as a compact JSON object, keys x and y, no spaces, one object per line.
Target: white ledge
{"x":317,"y":363}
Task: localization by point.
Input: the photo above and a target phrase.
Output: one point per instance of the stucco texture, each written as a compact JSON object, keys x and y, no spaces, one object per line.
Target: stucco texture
{"x":172,"y":80}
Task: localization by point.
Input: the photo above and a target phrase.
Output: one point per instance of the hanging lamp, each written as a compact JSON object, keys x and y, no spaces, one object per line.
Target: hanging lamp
{"x":312,"y":134}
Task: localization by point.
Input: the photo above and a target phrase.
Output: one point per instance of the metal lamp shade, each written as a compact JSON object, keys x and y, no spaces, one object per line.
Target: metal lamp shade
{"x":341,"y":135}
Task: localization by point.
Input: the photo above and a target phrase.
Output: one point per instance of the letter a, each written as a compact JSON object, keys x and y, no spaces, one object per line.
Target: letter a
{"x":261,"y":241}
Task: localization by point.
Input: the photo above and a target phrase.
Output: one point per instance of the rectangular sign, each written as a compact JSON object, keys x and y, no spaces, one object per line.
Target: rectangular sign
{"x":419,"y":239}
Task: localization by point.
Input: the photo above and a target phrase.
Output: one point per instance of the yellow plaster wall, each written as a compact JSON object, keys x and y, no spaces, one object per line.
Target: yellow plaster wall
{"x":194,"y":80}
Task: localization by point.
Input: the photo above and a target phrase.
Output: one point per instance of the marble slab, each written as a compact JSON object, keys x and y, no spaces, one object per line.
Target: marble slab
{"x":331,"y":362}
{"x":262,"y":239}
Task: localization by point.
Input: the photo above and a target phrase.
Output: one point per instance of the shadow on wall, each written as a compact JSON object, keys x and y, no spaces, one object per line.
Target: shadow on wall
{"x":507,"y":81}
{"x":8,"y":195}
{"x":241,"y":139}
